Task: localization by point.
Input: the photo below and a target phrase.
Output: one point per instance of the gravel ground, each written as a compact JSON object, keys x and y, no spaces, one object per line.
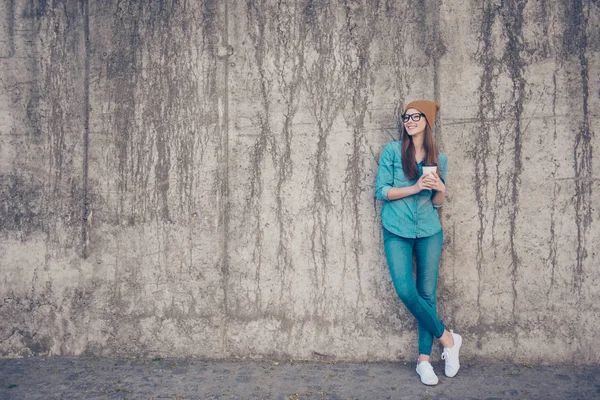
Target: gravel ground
{"x":113,"y":378}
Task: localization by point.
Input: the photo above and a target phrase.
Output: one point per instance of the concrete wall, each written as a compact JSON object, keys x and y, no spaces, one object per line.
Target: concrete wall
{"x":197,"y":177}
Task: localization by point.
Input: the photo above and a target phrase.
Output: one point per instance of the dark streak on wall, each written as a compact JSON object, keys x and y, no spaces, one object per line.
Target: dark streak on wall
{"x":553,"y":247}
{"x":86,"y":127}
{"x":576,"y":41}
{"x":289,"y":64}
{"x":56,"y":112}
{"x":215,"y":18}
{"x":257,"y":17}
{"x":277,"y":36}
{"x":481,"y":145}
{"x":10,"y":17}
{"x":360,"y":23}
{"x":512,"y":16}
{"x":326,"y":77}
{"x":398,"y":61}
{"x":131,"y":149}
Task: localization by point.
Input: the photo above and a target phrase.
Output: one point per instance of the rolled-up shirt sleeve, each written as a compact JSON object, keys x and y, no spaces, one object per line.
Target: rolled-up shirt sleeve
{"x":443,"y":170}
{"x":385,"y":174}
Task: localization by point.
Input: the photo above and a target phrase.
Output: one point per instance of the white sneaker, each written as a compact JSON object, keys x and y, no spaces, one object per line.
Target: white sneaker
{"x":450,"y":355}
{"x":425,"y":371}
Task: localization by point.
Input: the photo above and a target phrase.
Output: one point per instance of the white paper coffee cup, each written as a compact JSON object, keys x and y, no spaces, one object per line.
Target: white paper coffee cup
{"x":429,"y":168}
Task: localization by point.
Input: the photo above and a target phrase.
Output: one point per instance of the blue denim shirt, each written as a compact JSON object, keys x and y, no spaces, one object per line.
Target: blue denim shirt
{"x":412,"y":216}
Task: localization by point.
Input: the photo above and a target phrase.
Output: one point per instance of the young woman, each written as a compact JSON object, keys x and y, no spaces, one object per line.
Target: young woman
{"x":411,"y":225}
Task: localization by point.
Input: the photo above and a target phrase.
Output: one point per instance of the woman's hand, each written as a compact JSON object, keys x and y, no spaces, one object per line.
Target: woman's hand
{"x":424,"y":183}
{"x":434,"y":182}
{"x":430,"y":182}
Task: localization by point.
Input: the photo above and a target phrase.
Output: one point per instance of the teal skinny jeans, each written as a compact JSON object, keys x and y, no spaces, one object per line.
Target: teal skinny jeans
{"x":418,"y":296}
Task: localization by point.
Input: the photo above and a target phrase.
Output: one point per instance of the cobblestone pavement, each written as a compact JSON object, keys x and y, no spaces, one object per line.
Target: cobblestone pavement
{"x":110,"y":378}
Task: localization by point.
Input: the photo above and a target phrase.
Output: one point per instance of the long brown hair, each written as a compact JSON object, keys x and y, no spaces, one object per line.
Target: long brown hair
{"x":409,"y":164}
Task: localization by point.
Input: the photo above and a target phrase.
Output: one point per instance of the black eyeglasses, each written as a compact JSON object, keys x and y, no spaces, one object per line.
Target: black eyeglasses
{"x":416,"y":117}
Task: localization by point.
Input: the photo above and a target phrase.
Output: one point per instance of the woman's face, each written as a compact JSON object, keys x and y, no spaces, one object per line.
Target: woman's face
{"x":414,"y":128}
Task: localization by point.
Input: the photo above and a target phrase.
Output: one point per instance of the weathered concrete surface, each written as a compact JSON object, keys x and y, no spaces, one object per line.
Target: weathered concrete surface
{"x":196,"y":177}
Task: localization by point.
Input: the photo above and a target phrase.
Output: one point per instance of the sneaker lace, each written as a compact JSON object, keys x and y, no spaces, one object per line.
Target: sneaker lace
{"x":446,"y":357}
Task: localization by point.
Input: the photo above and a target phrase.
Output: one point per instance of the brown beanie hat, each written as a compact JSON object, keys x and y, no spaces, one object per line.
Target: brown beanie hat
{"x":427,"y":107}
